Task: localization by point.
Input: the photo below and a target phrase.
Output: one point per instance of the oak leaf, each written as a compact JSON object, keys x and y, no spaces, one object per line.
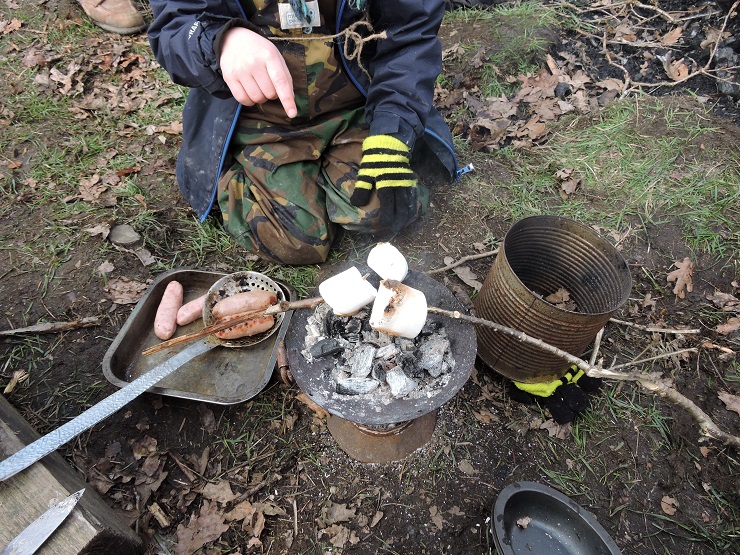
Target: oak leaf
{"x":682,"y":276}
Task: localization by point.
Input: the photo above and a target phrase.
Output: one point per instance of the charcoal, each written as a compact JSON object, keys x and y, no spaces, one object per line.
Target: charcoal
{"x":353,"y":327}
{"x":432,"y":354}
{"x":399,"y":383}
{"x":406,"y":345}
{"x":410,"y":364}
{"x":325,"y":348}
{"x":362,"y":361}
{"x":429,"y":328}
{"x":356,"y":386}
{"x":387,"y":352}
{"x":379,"y":370}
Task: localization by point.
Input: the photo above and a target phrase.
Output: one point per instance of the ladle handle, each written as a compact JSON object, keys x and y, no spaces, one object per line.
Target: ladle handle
{"x":33,"y":452}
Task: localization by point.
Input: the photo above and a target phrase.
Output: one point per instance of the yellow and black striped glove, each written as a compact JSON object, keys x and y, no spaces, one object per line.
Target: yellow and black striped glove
{"x":385,"y":166}
{"x":564,"y":398}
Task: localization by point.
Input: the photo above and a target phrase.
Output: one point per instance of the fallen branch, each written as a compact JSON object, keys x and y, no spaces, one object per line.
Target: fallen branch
{"x":55,"y":327}
{"x":651,"y":382}
{"x":463,"y":260}
{"x":653,"y":329}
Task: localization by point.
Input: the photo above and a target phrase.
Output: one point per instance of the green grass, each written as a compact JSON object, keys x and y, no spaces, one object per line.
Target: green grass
{"x":641,"y":162}
{"x":518,"y":33}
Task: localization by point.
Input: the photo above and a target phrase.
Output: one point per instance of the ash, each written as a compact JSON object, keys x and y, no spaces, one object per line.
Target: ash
{"x":373,"y":365}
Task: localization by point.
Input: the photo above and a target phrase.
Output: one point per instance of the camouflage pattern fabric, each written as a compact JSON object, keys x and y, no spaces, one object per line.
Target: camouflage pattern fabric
{"x":291,"y":180}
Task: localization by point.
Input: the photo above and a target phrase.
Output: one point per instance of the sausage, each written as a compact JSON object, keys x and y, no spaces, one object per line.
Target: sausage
{"x":190,"y":312}
{"x":165,"y":321}
{"x":246,"y":329}
{"x":244,"y":302}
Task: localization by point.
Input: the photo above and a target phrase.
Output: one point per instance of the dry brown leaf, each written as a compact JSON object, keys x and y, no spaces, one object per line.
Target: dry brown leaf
{"x":676,"y":70}
{"x":340,"y":535}
{"x":436,"y":516}
{"x":219,"y":491}
{"x":145,"y":447}
{"x":725,"y":301}
{"x":732,"y":402}
{"x":733,"y":324}
{"x":306,"y":400}
{"x":558,"y":431}
{"x":200,"y":530}
{"x":468,"y":277}
{"x":467,"y":468}
{"x":672,"y":36}
{"x":100,"y":229}
{"x":7,"y":27}
{"x":712,"y":36}
{"x":332,"y":513}
{"x":124,"y":290}
{"x":669,"y":505}
{"x":682,"y":276}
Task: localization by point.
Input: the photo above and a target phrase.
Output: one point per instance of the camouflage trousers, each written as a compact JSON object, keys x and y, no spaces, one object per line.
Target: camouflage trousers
{"x":289,"y":185}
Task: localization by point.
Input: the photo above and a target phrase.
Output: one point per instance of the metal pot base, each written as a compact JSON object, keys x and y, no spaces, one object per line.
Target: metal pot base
{"x":371,"y":445}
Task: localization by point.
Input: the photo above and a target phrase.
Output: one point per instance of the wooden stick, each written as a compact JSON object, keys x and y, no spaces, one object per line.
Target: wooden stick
{"x":650,"y":382}
{"x":55,"y":327}
{"x":282,"y":306}
{"x":463,"y":260}
{"x":653,"y":329}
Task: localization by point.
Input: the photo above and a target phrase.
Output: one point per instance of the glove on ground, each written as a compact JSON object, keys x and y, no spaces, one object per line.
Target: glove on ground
{"x":564,"y":398}
{"x":385,"y":166}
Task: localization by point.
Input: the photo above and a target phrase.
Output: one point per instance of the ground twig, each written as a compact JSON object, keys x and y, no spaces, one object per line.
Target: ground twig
{"x":463,"y":260}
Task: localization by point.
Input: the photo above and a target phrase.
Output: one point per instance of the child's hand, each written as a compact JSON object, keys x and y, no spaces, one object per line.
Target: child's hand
{"x":255,"y":71}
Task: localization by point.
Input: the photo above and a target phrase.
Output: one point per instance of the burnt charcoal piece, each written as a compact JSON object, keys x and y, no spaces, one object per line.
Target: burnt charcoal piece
{"x":400,"y":384}
{"x":325,"y":348}
{"x":432,"y":355}
{"x":379,"y":370}
{"x":410,"y":365}
{"x":356,"y":386}
{"x":353,"y":327}
{"x":429,"y":328}
{"x":362,"y":361}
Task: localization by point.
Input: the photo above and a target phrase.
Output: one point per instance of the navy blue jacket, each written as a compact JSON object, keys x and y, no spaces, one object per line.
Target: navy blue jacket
{"x":404,"y":68}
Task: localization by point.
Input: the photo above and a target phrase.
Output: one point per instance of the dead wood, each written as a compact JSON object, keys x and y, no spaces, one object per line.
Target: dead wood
{"x":651,"y":382}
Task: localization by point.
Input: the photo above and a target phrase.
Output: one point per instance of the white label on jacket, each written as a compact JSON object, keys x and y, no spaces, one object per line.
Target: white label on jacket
{"x":289,"y":19}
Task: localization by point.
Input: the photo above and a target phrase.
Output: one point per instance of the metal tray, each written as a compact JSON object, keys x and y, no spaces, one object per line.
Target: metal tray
{"x":222,"y":375}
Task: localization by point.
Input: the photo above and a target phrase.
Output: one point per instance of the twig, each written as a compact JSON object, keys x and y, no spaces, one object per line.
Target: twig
{"x":653,"y":329}
{"x":55,"y":327}
{"x":650,"y":382}
{"x":463,"y":260}
{"x":656,"y":357}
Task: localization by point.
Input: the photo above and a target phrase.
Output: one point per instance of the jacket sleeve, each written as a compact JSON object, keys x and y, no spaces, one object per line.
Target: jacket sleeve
{"x":405,"y":67}
{"x":182,"y":36}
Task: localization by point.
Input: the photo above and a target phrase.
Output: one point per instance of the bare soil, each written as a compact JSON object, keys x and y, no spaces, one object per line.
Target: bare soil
{"x":635,"y":461}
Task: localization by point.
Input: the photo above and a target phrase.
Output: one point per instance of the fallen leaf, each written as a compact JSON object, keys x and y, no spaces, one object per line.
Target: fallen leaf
{"x":725,"y":301}
{"x":558,"y":431}
{"x":467,"y":468}
{"x":100,"y":229}
{"x":672,"y":36}
{"x":468,"y":277}
{"x":332,"y":513}
{"x":207,"y":419}
{"x":682,"y":276}
{"x":732,"y":402}
{"x":676,"y":70}
{"x":200,"y":530}
{"x":436,"y":517}
{"x":124,"y":290}
{"x":7,"y":27}
{"x":219,"y":492}
{"x":376,"y":518}
{"x":733,"y":324}
{"x":669,"y":505}
{"x":145,"y":447}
